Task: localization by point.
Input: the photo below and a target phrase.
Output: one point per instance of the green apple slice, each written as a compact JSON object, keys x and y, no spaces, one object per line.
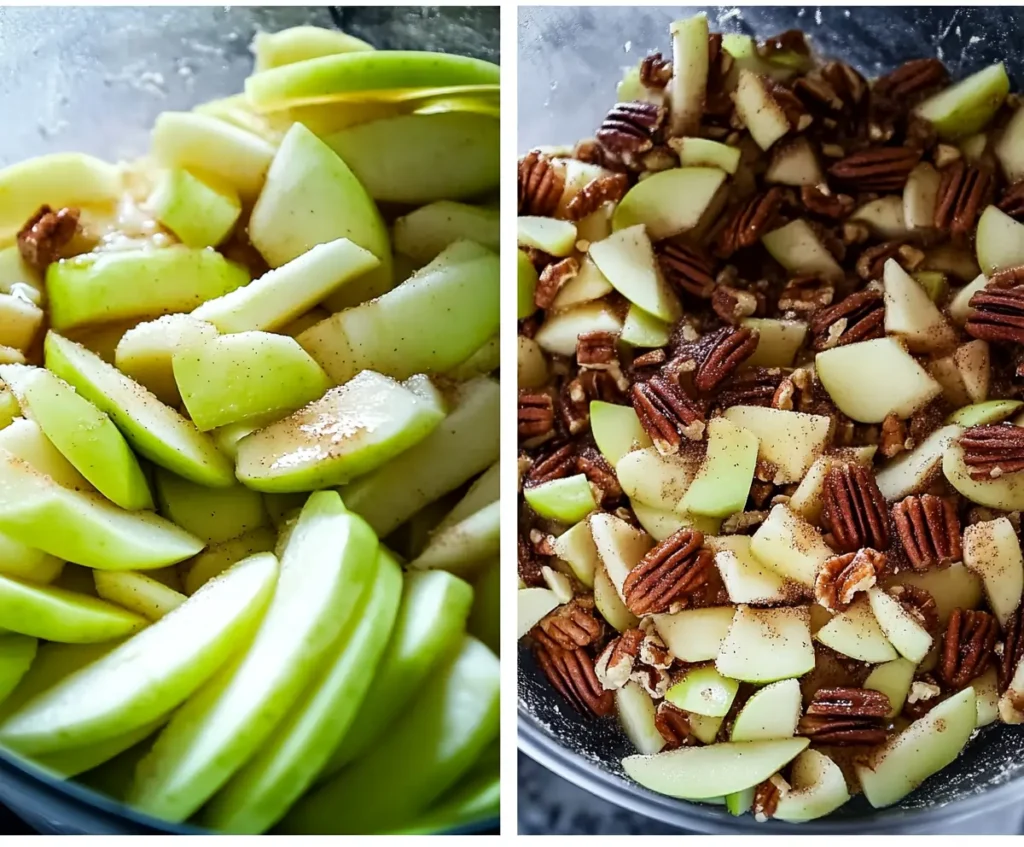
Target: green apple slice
{"x":24,"y":438}
{"x":626,"y":258}
{"x":28,"y":563}
{"x":589,"y":283}
{"x":214,"y":515}
{"x":920,"y":196}
{"x":1008,"y":148}
{"x":200,"y":213}
{"x":893,"y":679}
{"x":697,"y":773}
{"x":526,"y":285}
{"x":1001,"y":492}
{"x":532,"y":605}
{"x":904,"y":632}
{"x":695,"y":635}
{"x":951,"y":588}
{"x":218,"y":558}
{"x":794,"y":162}
{"x":935,"y":284}
{"x":705,"y":153}
{"x":990,"y":411}
{"x":648,"y":477}
{"x":856,"y":633}
{"x":910,"y":313}
{"x":967,"y":106}
{"x":722,"y":483}
{"x":922,"y":749}
{"x":999,"y":240}
{"x":818,"y":788}
{"x":746,"y":579}
{"x":884,"y":217}
{"x":138,"y":593}
{"x":156,"y":431}
{"x":986,"y":697}
{"x":913,"y":471}
{"x":973,"y":364}
{"x":765,"y":645}
{"x":608,"y":600}
{"x":643,"y":330}
{"x":569,"y":499}
{"x":259,"y":794}
{"x":85,"y":436}
{"x":758,"y":109}
{"x":789,"y":441}
{"x":690,"y":58}
{"x":69,"y":763}
{"x":20,"y":321}
{"x":150,"y":674}
{"x":299,"y":43}
{"x":705,"y":729}
{"x":620,"y":546}
{"x":704,"y":691}
{"x":661,"y":524}
{"x":485,"y":617}
{"x":959,"y":306}
{"x":424,"y":233}
{"x":636,"y":712}
{"x":484,"y":360}
{"x":790,"y":546}
{"x":555,"y":237}
{"x":463,"y":548}
{"x":17,"y":652}
{"x":991,"y":551}
{"x":740,"y":802}
{"x":351,"y":430}
{"x":797,"y":247}
{"x":576,"y":546}
{"x":617,"y":430}
{"x":560,"y":331}
{"x":668,"y":203}
{"x":328,"y":563}
{"x":778,"y":341}
{"x":771,"y":712}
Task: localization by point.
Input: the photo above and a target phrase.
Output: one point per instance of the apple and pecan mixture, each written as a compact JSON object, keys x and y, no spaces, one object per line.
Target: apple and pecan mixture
{"x":771,"y":361}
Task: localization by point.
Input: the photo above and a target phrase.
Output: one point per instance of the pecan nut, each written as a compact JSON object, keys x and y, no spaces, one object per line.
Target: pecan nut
{"x":919,"y":603}
{"x":597,"y":349}
{"x":686,"y":269}
{"x":571,"y":673}
{"x":991,"y":450}
{"x":601,"y":474}
{"x":570,"y":626}
{"x":929,"y":531}
{"x":615,"y":665}
{"x":753,"y":387}
{"x":655,"y":71}
{"x":1012,"y":201}
{"x":529,"y":565}
{"x":674,"y":726}
{"x":1013,"y":648}
{"x":536,"y":420}
{"x":963,"y":192}
{"x":846,"y":717}
{"x":608,"y":188}
{"x":967,"y":647}
{"x":589,"y":384}
{"x":541,"y":185}
{"x":871,"y":263}
{"x":671,"y":572}
{"x":877,"y":168}
{"x":667,"y":413}
{"x":726,"y":350}
{"x":749,"y":222}
{"x":732,"y":305}
{"x":556,"y":463}
{"x":806,"y":293}
{"x":859,"y":317}
{"x":821,"y":200}
{"x":997,"y":314}
{"x":912,"y":80}
{"x":836,"y":87}
{"x":630,"y":127}
{"x":44,"y":234}
{"x":854,"y":509}
{"x":551,"y":280}
{"x":841,"y":577}
{"x":766,"y":800}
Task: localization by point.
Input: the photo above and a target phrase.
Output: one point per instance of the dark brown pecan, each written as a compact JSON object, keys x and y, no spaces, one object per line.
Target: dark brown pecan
{"x":766,"y":800}
{"x":929,"y":530}
{"x":790,"y":41}
{"x":821,"y":200}
{"x":732,"y":305}
{"x":871,"y":262}
{"x":571,"y":673}
{"x":791,"y":105}
{"x":753,"y":387}
{"x":963,"y":192}
{"x":854,"y":509}
{"x":749,"y":222}
{"x":686,"y":269}
{"x":846,"y":717}
{"x":877,"y":168}
{"x":997,"y":314}
{"x":551,"y":280}
{"x":609,"y":188}
{"x":630,"y":127}
{"x":1012,"y":201}
{"x":991,"y":450}
{"x":1013,"y":648}
{"x":529,"y":565}
{"x":925,"y":694}
{"x":859,"y":317}
{"x":536,"y":416}
{"x":836,"y":87}
{"x":44,"y":234}
{"x":597,"y":349}
{"x":655,"y":71}
{"x":967,"y":647}
{"x":615,"y":664}
{"x":601,"y":474}
{"x":669,"y":573}
{"x":806,"y":293}
{"x":590,"y":151}
{"x":919,"y":603}
{"x":651,"y":359}
{"x":726,"y":349}
{"x":841,"y":577}
{"x":570,"y":626}
{"x":846,"y":82}
{"x":667,"y":413}
{"x":558,"y":462}
{"x":674,"y":726}
{"x":576,"y":395}
{"x":911,"y":80}
{"x":540,"y":185}
{"x":718,"y":105}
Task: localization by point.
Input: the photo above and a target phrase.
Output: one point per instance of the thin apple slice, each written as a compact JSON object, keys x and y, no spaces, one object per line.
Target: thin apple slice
{"x":608,"y":600}
{"x":703,"y":691}
{"x":200,"y":212}
{"x":794,"y":163}
{"x":559,"y":332}
{"x":1009,"y":147}
{"x":619,"y":545}
{"x":772,"y":712}
{"x":533,"y":605}
{"x":687,"y":86}
{"x":893,"y":679}
{"x":17,"y":653}
{"x":817,"y":788}
{"x":790,"y":546}
{"x":695,"y":635}
{"x":424,"y":233}
{"x":476,"y":797}
{"x":990,"y":411}
{"x":992,"y":551}
{"x":758,"y":109}
{"x":648,"y":477}
{"x":797,"y":247}
{"x":555,"y":237}
{"x":636,"y":713}
{"x":24,"y":438}
{"x":138,"y":593}
{"x":576,"y":546}
{"x":70,"y":763}
{"x":213,"y":515}
{"x":745,"y":578}
{"x":911,"y":315}
{"x":856,"y":633}
{"x":914,"y":471}
{"x":722,"y":482}
{"x":626,"y":258}
{"x":1001,"y":492}
{"x":972,"y":362}
{"x":643,"y":330}
{"x":588,"y":285}
{"x":616,"y":430}
{"x":920,"y":196}
{"x":568,"y":500}
{"x":951,"y":588}
{"x":696,"y":773}
{"x":788,"y":441}
{"x":999,"y":240}
{"x":669,"y":202}
{"x":966,"y":107}
{"x":213,"y":561}
{"x":765,"y":645}
{"x":904,"y":631}
{"x":696,"y":152}
{"x":465,"y":547}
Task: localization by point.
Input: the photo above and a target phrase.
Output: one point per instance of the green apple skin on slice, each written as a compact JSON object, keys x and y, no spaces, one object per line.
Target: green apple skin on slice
{"x":568,"y":500}
{"x":765,"y":645}
{"x":857,"y":634}
{"x":245,"y":375}
{"x":643,"y":330}
{"x":771,"y":712}
{"x":800,"y":251}
{"x":149,"y":674}
{"x":626,"y":258}
{"x":668,"y":203}
{"x":216,"y":559}
{"x":556,"y":237}
{"x":84,"y":528}
{"x":637,"y":712}
{"x":991,"y":411}
{"x":200,"y":213}
{"x":722,"y":484}
{"x":463,"y":548}
{"x":697,"y":773}
{"x":922,"y":749}
{"x":17,"y":652}
{"x":456,"y":717}
{"x":311,"y":197}
{"x":818,"y":788}
{"x":430,"y":625}
{"x":327,"y":565}
{"x":156,"y":431}
{"x":290,"y":290}
{"x":790,"y":546}
{"x":690,"y":56}
{"x":137,"y":593}
{"x":904,"y":632}
{"x":576,"y":546}
{"x":84,"y":435}
{"x":1001,"y":492}
{"x":695,"y":635}
{"x":893,"y":679}
{"x":620,"y":546}
{"x":789,"y":441}
{"x":70,"y":763}
{"x":588,"y":285}
{"x":300,"y":43}
{"x":259,"y":794}
{"x":616,"y":430}
{"x":424,"y":233}
{"x":136,"y":284}
{"x":661,"y":524}
{"x":991,"y":551}
{"x":409,"y":329}
{"x":704,"y":691}
{"x":740,"y":802}
{"x":526,"y":286}
{"x":999,"y":241}
{"x":532,"y":605}
{"x":966,"y":107}
{"x":485,"y":617}
{"x":483,"y":492}
{"x":351,"y":430}
{"x":705,"y":153}
{"x":24,"y":438}
{"x":214,"y":515}
{"x":912,"y":472}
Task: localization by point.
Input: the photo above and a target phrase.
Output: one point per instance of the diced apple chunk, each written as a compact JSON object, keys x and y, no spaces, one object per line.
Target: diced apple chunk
{"x":765,"y":645}
{"x":619,"y":545}
{"x":771,"y":712}
{"x":609,"y":603}
{"x":746,"y":579}
{"x":790,"y":546}
{"x":695,"y":635}
{"x":723,"y":480}
{"x":568,"y":500}
{"x":788,"y":441}
{"x":616,"y":430}
{"x":656,"y":480}
{"x":884,"y":217}
{"x":703,"y":691}
{"x":560,"y":331}
{"x":759,"y":111}
{"x":705,"y":153}
{"x":797,"y":247}
{"x":557,"y":238}
{"x":643,"y":330}
{"x":903,"y":630}
{"x":576,"y":546}
{"x":1009,"y":149}
{"x":669,"y":202}
{"x":920,"y":196}
{"x":972,"y":361}
{"x":589,"y":284}
{"x":794,"y":163}
{"x":817,"y":788}
{"x":913,"y":471}
{"x":910,"y":313}
{"x":967,"y":106}
{"x":856,"y":633}
{"x":893,"y":679}
{"x":778,"y":341}
{"x":954,"y":587}
{"x":999,"y":240}
{"x":533,"y":604}
{"x":626,"y":258}
{"x":991,"y":550}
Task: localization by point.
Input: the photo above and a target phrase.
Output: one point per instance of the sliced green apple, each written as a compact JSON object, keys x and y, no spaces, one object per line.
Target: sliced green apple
{"x":17,"y":653}
{"x":723,"y":480}
{"x":668,"y":202}
{"x":772,"y":712}
{"x":589,"y":284}
{"x":620,"y":546}
{"x":884,"y":217}
{"x":912,"y":472}
{"x":662,"y":524}
{"x":703,"y":691}
{"x":576,"y":546}
{"x":911,"y":314}
{"x":213,"y":515}
{"x":992,"y":551}
{"x":856,"y":633}
{"x":690,"y":58}
{"x":617,"y":430}
{"x":951,"y":588}
{"x":818,"y":788}
{"x":138,"y":593}
{"x":935,"y":284}
{"x":972,"y":361}
{"x":978,"y":414}
{"x":794,"y":162}
{"x":199,"y":212}
{"x":24,"y":438}
{"x":218,"y":558}
{"x":637,"y":713}
{"x":765,"y":645}
{"x":424,"y":233}
{"x":626,"y":258}
{"x":559,"y":332}
{"x":299,"y":43}
{"x":790,"y":546}
{"x":920,"y":196}
{"x":704,"y":153}
{"x":648,"y":477}
{"x":526,"y":285}
{"x":555,"y":237}
{"x":904,"y":631}
{"x":1008,"y":148}
{"x":986,"y":697}
{"x":778,"y":341}
{"x":465,"y":547}
{"x":643,"y":330}
{"x":967,"y":106}
{"x":569,"y":499}
{"x":746,"y":579}
{"x":788,"y":441}
{"x":797,"y":247}
{"x":695,"y":635}
{"x":20,"y":320}
{"x":1001,"y":492}
{"x":893,"y":679}
{"x":999,"y":241}
{"x":758,"y":109}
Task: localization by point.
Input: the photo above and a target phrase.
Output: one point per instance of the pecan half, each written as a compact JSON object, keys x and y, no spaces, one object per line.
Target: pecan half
{"x":854,"y":509}
{"x":570,"y":626}
{"x":597,"y":349}
{"x":595,"y":467}
{"x":667,"y":413}
{"x":846,"y":717}
{"x":529,"y":565}
{"x":859,"y":317}
{"x":536,"y":415}
{"x":45,"y":233}
{"x":540,"y":185}
{"x":749,"y":222}
{"x":841,"y":577}
{"x":727,"y":349}
{"x":877,"y":168}
{"x":630,"y":127}
{"x":929,"y":531}
{"x":551,"y":280}
{"x":686,"y":269}
{"x":557,"y":463}
{"x":835,"y":87}
{"x":615,"y":665}
{"x":991,"y":450}
{"x":821,"y":200}
{"x":967,"y":647}
{"x":912,"y":79}
{"x":997,"y":314}
{"x":669,"y":573}
{"x":571,"y":673}
{"x":674,"y":726}
{"x":1012,"y":201}
{"x":753,"y":387}
{"x":806,"y":293}
{"x":609,"y":188}
{"x":963,"y":192}
{"x":766,"y":800}
{"x":655,"y":71}
{"x":1013,"y":648}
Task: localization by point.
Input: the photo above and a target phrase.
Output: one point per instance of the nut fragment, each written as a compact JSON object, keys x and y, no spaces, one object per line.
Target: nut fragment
{"x":615,"y":664}
{"x":991,"y":450}
{"x":666,"y":413}
{"x":529,"y":566}
{"x":893,"y":436}
{"x":871,"y":263}
{"x":968,"y":646}
{"x":859,"y":317}
{"x":919,"y":603}
{"x":1012,"y":201}
{"x":877,"y":168}
{"x":841,"y":577}
{"x":732,"y":305}
{"x":551,"y":280}
{"x":597,"y":349}
{"x":854,"y":509}
{"x":655,"y":71}
{"x":669,"y":573}
{"x":540,"y":185}
{"x":846,"y":717}
{"x":609,"y":188}
{"x":725,"y":350}
{"x":806,"y":293}
{"x":674,"y":726}
{"x":929,"y":530}
{"x":630,"y":127}
{"x":766,"y":800}
{"x":571,"y":673}
{"x":821,"y":200}
{"x":45,"y":233}
{"x":752,"y":387}
{"x":601,"y":474}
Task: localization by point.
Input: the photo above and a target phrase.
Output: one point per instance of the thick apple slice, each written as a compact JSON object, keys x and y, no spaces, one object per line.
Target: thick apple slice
{"x":424,"y":233}
{"x":696,"y":773}
{"x":559,"y":332}
{"x":576,"y":546}
{"x":138,"y":593}
{"x":300,"y":43}
{"x":695,"y":635}
{"x":24,"y":438}
{"x":20,"y":320}
{"x":555,"y":237}
{"x":568,"y":500}
{"x":765,"y":645}
{"x":1009,"y":149}
{"x":659,"y":481}
{"x":818,"y":788}
{"x":617,"y":430}
{"x":920,"y":196}
{"x":84,"y":435}
{"x":668,"y":202}
{"x":704,"y":691}
{"x":999,"y":240}
{"x":588,"y":284}
{"x":619,"y":545}
{"x":797,"y":247}
{"x":967,"y":106}
{"x":661,"y":524}
{"x":464,"y":547}
{"x":626,"y":258}
{"x":1001,"y":492}
{"x":789,"y":441}
{"x":200,"y":213}
{"x":910,"y":313}
{"x":922,"y":749}
{"x":991,"y":550}
{"x":687,"y":86}
{"x":990,"y":411}
{"x":772,"y":712}
{"x":608,"y":600}
{"x":723,"y":480}
{"x":972,"y":362}
{"x":794,"y":163}
{"x":636,"y":713}
{"x":705,"y":153}
{"x":790,"y":546}
{"x":903,"y":630}
{"x":959,"y":306}
{"x":213,"y":515}
{"x":914,"y":471}
{"x":745,"y":578}
{"x":856,"y":633}
{"x":17,"y":652}
{"x":893,"y":679}
{"x":759,"y":111}
{"x":850,"y":376}
{"x":144,"y":352}
{"x":778,"y":342}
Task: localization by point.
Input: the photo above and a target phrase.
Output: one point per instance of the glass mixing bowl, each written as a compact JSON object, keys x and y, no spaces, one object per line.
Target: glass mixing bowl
{"x":570,"y":60}
{"x":94,"y":80}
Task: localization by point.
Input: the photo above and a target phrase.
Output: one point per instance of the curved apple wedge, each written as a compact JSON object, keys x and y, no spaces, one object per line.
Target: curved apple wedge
{"x":218,"y":558}
{"x":424,"y":233}
{"x":300,"y":43}
{"x":83,"y":434}
{"x":818,"y":788}
{"x":156,"y":431}
{"x":328,"y":562}
{"x":214,"y":515}
{"x":17,"y":653}
{"x":857,"y":634}
{"x":464,"y":547}
{"x":262,"y":791}
{"x":455,"y":718}
{"x":24,"y":438}
{"x":138,"y":593}
{"x":150,"y":674}
{"x":765,"y":645}
{"x":669,"y":202}
{"x":69,"y":763}
{"x":772,"y":712}
{"x":966,"y":107}
{"x":992,"y":551}
{"x":697,"y":773}
{"x":904,"y":631}
{"x":472,"y":799}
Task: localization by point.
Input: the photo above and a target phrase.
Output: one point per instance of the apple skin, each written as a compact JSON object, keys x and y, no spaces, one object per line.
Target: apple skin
{"x":300,"y":43}
{"x":17,"y":652}
{"x":201,"y":214}
{"x":990,"y":411}
{"x":723,"y":480}
{"x":485,"y":617}
{"x":705,"y":153}
{"x":213,"y":515}
{"x":669,"y":202}
{"x":966,"y":107}
{"x":568,"y":500}
{"x":771,"y":712}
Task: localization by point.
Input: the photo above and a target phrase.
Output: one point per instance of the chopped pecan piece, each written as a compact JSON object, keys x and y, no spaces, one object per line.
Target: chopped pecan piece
{"x":666,"y":413}
{"x":967,"y":648}
{"x":846,"y":717}
{"x":821,"y":200}
{"x":893,"y":436}
{"x":597,"y":349}
{"x":859,"y":317}
{"x":871,"y":262}
{"x":854,"y":509}
{"x":912,"y":79}
{"x":836,"y":87}
{"x":733,"y":304}
{"x":589,"y":384}
{"x":655,"y":71}
{"x":726,"y":350}
{"x":877,"y":168}
{"x":1013,"y":648}
{"x":925,"y":694}
{"x":669,"y":573}
{"x":529,"y":566}
{"x":841,"y":577}
{"x":674,"y":726}
{"x":595,"y":467}
{"x":570,"y":626}
{"x":609,"y":188}
{"x":749,"y":222}
{"x":929,"y":530}
{"x":571,"y":673}
{"x":615,"y":665}
{"x":918,"y":603}
{"x":997,"y":314}
{"x":540,"y":185}
{"x":536,"y":415}
{"x":557,"y":463}
{"x":630,"y":127}
{"x":686,"y":269}
{"x":45,"y":233}
{"x":806,"y":293}
{"x":651,"y":359}
{"x":753,"y":387}
{"x":551,"y":280}
{"x":991,"y":450}
{"x":1012,"y":201}
{"x":963,"y":192}
{"x":766,"y":800}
